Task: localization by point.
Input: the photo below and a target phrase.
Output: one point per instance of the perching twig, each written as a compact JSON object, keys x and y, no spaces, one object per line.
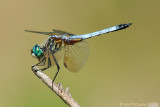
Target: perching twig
{"x":57,"y":88}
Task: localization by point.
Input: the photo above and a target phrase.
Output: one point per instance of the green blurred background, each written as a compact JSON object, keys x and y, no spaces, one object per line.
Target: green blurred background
{"x":123,"y":66}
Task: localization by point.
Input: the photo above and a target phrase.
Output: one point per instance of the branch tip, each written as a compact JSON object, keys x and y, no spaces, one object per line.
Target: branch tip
{"x":56,"y":88}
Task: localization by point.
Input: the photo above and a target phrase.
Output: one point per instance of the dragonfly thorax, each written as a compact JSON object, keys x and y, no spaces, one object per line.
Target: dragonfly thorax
{"x":37,"y":51}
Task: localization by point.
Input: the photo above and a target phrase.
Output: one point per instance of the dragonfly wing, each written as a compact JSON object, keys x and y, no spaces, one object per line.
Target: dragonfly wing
{"x":76,"y":55}
{"x":62,"y":32}
{"x":55,"y":32}
{"x":45,"y":33}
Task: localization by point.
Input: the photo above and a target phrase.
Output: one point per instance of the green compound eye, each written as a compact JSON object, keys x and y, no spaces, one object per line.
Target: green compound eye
{"x":37,"y":51}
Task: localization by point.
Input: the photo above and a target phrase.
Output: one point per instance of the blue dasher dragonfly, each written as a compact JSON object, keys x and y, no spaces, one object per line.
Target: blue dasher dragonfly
{"x":72,"y":48}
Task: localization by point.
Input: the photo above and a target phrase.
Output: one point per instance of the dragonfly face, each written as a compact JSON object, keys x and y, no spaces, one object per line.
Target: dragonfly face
{"x":37,"y":52}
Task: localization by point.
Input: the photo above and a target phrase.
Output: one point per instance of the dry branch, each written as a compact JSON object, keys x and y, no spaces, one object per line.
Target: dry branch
{"x":57,"y":88}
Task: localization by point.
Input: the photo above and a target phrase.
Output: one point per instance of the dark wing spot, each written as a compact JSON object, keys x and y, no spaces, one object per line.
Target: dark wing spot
{"x":65,"y":65}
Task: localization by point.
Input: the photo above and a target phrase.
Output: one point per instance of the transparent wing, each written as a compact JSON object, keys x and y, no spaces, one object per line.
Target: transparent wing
{"x":60,"y":32}
{"x":55,"y":32}
{"x":45,"y":33}
{"x":76,"y":56}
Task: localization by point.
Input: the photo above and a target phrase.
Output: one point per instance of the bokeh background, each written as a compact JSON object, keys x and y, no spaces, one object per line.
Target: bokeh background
{"x":123,"y":67}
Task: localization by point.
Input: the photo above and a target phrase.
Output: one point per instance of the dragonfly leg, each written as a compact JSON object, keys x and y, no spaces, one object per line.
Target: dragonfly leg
{"x":49,"y":64}
{"x":58,"y":68}
{"x":42,"y":62}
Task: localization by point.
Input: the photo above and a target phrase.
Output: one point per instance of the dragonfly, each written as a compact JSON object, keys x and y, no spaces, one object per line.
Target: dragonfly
{"x":72,"y":48}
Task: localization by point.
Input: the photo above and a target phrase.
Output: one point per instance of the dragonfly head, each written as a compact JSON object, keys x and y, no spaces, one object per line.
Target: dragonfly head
{"x":37,"y":51}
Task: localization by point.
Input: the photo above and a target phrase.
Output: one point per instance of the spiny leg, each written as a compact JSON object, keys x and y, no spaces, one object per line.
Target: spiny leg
{"x":55,"y":60}
{"x":58,"y":68}
{"x":49,"y":64}
{"x":38,"y":64}
{"x":42,"y":61}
